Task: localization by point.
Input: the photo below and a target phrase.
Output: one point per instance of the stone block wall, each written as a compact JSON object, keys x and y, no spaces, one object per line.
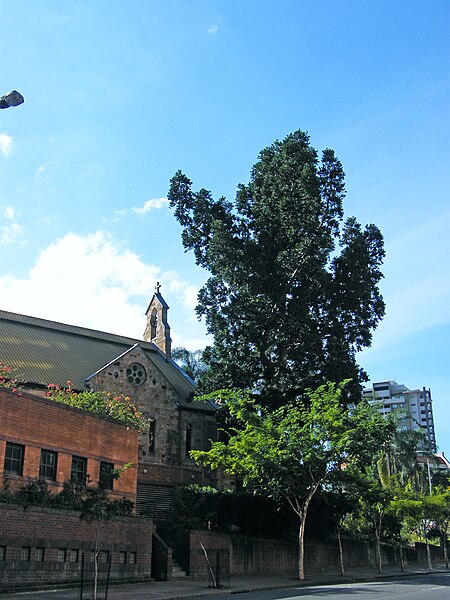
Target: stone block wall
{"x":165,"y":460}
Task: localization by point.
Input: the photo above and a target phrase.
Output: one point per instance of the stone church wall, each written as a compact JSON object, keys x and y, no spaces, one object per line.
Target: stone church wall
{"x":163,"y":453}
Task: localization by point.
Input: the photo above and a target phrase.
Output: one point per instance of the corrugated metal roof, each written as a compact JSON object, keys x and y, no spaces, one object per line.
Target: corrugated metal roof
{"x":46,"y":352}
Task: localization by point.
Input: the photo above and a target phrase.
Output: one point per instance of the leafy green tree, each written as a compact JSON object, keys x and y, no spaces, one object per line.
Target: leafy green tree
{"x":399,"y":466}
{"x":191,"y":361}
{"x":419,"y":512}
{"x":293,"y":451}
{"x":293,"y":288}
{"x":440,"y":501}
{"x":374,"y":502}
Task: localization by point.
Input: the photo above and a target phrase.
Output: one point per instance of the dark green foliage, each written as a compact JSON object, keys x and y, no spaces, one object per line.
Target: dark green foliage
{"x":197,"y":507}
{"x":293,"y":289}
{"x":91,"y":501}
{"x":34,"y":493}
{"x":206,"y":508}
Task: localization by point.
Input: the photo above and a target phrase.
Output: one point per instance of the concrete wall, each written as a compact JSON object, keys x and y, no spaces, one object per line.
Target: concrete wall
{"x":253,"y":556}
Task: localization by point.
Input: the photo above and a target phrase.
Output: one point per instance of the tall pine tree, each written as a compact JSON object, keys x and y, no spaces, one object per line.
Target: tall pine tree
{"x":293,"y":288}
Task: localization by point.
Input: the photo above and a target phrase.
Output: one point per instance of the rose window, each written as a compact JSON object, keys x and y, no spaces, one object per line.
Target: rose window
{"x":136,"y":374}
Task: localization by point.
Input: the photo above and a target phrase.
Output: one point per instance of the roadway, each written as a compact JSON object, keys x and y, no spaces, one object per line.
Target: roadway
{"x":433,"y":586}
{"x":408,"y":586}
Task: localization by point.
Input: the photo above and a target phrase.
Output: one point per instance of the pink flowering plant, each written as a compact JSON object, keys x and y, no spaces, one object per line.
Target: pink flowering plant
{"x":118,"y":407}
{"x":7,"y":377}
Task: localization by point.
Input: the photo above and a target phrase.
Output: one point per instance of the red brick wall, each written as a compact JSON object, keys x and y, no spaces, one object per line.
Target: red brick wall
{"x":53,"y":530}
{"x":38,"y":423}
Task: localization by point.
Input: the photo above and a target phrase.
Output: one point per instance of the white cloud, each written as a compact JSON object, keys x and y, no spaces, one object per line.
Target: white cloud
{"x":190,"y":294}
{"x":11,"y":231}
{"x":9,"y":234}
{"x":190,"y":343}
{"x":9,"y":212}
{"x":150,"y":204}
{"x":5,"y":144}
{"x":45,"y":167}
{"x":213,"y":29}
{"x":92,"y":281}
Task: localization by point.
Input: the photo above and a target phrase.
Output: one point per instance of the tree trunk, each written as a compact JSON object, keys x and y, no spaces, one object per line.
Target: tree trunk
{"x":427,"y":545}
{"x":301,"y":548}
{"x":205,"y":553}
{"x":378,"y":544}
{"x":341,"y":553}
{"x":96,"y":553}
{"x":400,"y":549}
{"x":301,"y":512}
{"x":444,"y":545}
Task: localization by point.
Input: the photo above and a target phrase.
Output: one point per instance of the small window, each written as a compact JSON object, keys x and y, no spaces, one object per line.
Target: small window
{"x":14,"y":454}
{"x":122,"y":557}
{"x":40,"y":554}
{"x":25,"y":553}
{"x":73,"y":555}
{"x":188,"y":438}
{"x":47,"y":468}
{"x":106,"y":475}
{"x":104,"y":556}
{"x":2,"y":553}
{"x":61,"y":556}
{"x":132,"y":558}
{"x":79,"y":470}
{"x":151,"y":437}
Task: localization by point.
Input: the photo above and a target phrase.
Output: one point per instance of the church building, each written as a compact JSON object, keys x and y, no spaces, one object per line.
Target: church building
{"x":44,"y":352}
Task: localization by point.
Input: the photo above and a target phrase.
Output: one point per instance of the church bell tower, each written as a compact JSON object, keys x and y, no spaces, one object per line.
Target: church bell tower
{"x":157,"y":330}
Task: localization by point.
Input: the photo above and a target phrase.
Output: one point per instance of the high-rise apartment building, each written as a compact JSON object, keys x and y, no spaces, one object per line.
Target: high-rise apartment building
{"x":415,"y":407}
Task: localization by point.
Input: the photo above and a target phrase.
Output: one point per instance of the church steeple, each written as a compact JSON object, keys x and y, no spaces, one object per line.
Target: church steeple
{"x":157,"y":329}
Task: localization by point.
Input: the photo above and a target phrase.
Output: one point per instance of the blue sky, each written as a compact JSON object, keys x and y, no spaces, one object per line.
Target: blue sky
{"x":121,"y":95}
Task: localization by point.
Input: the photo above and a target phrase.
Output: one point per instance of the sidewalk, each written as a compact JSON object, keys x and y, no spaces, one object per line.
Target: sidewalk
{"x":185,"y":588}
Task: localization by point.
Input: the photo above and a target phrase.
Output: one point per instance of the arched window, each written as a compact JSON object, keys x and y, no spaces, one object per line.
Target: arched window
{"x":151,"y":436}
{"x":188,"y":438}
{"x":153,"y":323}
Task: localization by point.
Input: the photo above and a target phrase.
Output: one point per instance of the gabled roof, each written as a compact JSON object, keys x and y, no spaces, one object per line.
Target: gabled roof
{"x":160,"y":299}
{"x":44,"y":352}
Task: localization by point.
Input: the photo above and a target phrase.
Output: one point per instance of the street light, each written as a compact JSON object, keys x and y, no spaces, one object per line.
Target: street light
{"x":13,"y":98}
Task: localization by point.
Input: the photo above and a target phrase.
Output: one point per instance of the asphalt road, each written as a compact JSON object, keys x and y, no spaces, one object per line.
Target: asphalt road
{"x":433,"y":586}
{"x":424,"y":587}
